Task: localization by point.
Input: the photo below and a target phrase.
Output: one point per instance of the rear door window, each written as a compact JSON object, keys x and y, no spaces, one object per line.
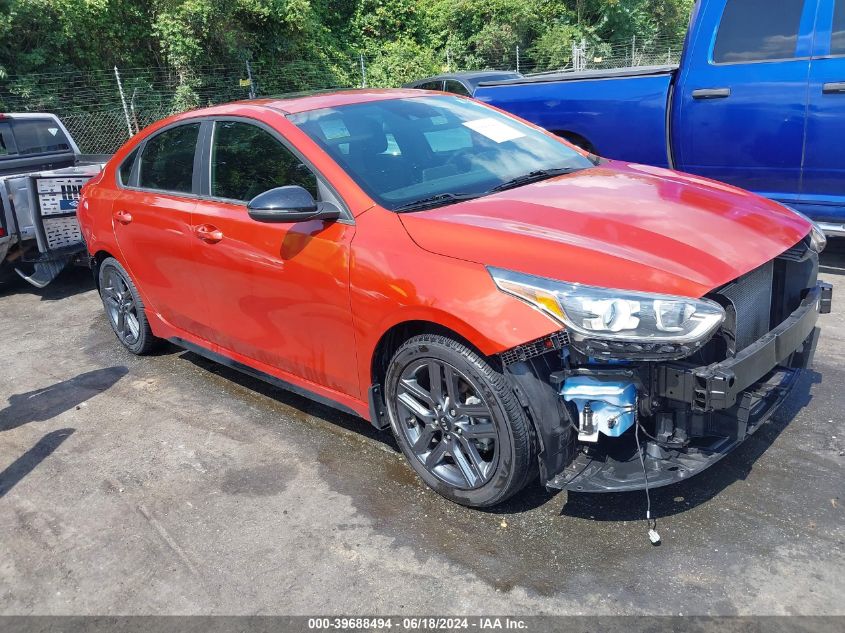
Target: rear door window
{"x":758,"y":30}
{"x":167,"y":163}
{"x":39,"y":136}
{"x":837,"y":39}
{"x":247,"y":160}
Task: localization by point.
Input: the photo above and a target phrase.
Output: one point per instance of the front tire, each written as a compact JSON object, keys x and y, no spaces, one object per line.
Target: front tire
{"x":125,"y":308}
{"x":458,"y":421}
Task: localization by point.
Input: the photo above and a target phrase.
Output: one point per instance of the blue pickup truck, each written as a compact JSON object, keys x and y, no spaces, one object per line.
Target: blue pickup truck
{"x":758,"y":101}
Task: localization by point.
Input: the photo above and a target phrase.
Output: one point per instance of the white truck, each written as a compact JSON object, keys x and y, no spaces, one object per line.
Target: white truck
{"x":41,"y":174}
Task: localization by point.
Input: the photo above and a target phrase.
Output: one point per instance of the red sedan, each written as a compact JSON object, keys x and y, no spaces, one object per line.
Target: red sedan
{"x":511,"y":306}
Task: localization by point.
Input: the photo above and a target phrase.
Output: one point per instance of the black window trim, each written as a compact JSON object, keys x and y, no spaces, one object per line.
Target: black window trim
{"x":204,"y":154}
{"x":142,"y":146}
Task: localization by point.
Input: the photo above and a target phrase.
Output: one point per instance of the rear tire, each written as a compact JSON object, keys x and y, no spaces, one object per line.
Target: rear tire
{"x":458,"y":422}
{"x":125,"y":308}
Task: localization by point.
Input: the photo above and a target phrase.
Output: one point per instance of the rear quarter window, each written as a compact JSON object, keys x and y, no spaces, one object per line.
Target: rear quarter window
{"x":125,"y":170}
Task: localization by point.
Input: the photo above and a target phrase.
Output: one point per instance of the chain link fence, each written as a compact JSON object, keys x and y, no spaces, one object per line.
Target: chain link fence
{"x":103,"y":109}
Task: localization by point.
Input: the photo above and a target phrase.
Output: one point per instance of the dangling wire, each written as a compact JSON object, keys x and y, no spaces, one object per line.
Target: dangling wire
{"x":653,"y":536}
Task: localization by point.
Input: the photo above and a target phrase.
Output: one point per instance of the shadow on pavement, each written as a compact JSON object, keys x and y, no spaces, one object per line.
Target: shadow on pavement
{"x":27,"y":462}
{"x":300,"y":403}
{"x":44,"y":404}
{"x":72,"y":281}
{"x":626,"y":506}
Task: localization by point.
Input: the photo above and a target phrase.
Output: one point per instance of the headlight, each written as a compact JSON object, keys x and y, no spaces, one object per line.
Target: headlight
{"x":615,"y":315}
{"x":818,"y":240}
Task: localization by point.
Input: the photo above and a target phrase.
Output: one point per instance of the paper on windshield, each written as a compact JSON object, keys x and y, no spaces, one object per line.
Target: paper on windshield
{"x":494,"y":129}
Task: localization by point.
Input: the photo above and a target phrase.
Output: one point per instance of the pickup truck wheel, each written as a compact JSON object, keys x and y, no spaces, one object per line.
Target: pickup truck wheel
{"x":125,"y":309}
{"x":458,"y":421}
{"x":8,"y":277}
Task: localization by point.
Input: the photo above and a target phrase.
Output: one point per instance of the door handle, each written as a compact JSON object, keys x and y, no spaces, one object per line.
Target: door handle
{"x":834,"y":88}
{"x":209,"y":234}
{"x":711,"y":93}
{"x":124,"y":217}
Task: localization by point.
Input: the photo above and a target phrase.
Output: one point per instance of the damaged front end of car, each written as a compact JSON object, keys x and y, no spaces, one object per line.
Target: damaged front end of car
{"x":645,"y":390}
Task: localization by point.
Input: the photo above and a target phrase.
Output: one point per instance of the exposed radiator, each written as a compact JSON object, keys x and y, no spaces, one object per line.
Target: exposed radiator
{"x":751,"y":298}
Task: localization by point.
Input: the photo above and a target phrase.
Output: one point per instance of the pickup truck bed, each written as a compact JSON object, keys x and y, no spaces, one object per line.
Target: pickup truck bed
{"x":598,"y":104}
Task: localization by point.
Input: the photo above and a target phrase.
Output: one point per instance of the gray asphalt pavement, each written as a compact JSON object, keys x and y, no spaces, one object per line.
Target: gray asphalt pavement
{"x":169,"y":484}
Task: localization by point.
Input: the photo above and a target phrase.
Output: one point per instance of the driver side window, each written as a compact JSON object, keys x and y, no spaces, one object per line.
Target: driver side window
{"x":247,"y":160}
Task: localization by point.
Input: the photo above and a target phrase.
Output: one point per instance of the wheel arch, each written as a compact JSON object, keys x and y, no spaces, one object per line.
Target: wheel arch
{"x":395,"y":336}
{"x":577,"y":139}
{"x":97,"y":260}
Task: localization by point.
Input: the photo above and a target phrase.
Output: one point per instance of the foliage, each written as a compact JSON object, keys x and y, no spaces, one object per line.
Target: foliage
{"x":321,"y":39}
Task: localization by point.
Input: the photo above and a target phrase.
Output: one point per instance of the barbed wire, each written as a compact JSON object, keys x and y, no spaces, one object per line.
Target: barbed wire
{"x":91,"y":106}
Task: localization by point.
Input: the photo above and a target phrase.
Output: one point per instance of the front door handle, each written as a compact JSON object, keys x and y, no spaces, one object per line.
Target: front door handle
{"x":711,"y":93}
{"x":834,"y":88}
{"x":124,"y":217}
{"x":209,"y":233}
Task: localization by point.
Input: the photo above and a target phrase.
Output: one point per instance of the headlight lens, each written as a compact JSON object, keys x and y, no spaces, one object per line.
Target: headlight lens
{"x":818,"y":240}
{"x":603,"y":313}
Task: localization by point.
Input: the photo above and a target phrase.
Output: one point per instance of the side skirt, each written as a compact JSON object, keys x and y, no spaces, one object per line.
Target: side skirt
{"x":260,"y":375}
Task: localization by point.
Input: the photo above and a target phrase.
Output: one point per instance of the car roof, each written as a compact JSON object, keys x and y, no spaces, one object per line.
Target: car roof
{"x":296,"y":103}
{"x":303,"y":102}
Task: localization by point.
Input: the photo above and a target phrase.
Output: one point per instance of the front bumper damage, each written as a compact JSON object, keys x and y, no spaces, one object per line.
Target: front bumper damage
{"x":688,"y":416}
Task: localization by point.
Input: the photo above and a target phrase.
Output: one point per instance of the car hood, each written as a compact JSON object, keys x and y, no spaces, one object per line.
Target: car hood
{"x":617,"y":225}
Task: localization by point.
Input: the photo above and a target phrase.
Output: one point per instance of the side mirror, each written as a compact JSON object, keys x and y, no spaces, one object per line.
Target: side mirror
{"x":291,"y":203}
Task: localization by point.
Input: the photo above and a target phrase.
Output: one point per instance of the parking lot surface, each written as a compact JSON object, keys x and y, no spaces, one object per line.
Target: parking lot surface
{"x":170,"y":484}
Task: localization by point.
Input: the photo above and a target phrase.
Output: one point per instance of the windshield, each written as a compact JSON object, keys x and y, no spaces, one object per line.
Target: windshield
{"x":432,"y":150}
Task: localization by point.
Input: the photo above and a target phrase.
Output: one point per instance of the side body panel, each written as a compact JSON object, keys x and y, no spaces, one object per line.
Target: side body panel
{"x":279,"y":293}
{"x":823,"y":186}
{"x":394,"y":281}
{"x":621,"y":117}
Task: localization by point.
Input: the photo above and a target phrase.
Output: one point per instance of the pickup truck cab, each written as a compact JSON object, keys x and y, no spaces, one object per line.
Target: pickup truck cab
{"x":758,"y":102}
{"x":41,"y":174}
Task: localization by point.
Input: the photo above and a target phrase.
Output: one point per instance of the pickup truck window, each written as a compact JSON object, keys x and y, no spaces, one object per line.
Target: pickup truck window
{"x":837,"y":40}
{"x":6,"y":145}
{"x":167,"y":163}
{"x":456,"y":87}
{"x":754,"y":30}
{"x":39,"y":136}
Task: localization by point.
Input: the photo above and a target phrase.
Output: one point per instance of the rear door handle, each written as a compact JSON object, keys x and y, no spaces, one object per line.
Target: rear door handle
{"x":711,"y":93}
{"x":834,"y":88}
{"x":209,"y":233}
{"x":124,"y":217}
